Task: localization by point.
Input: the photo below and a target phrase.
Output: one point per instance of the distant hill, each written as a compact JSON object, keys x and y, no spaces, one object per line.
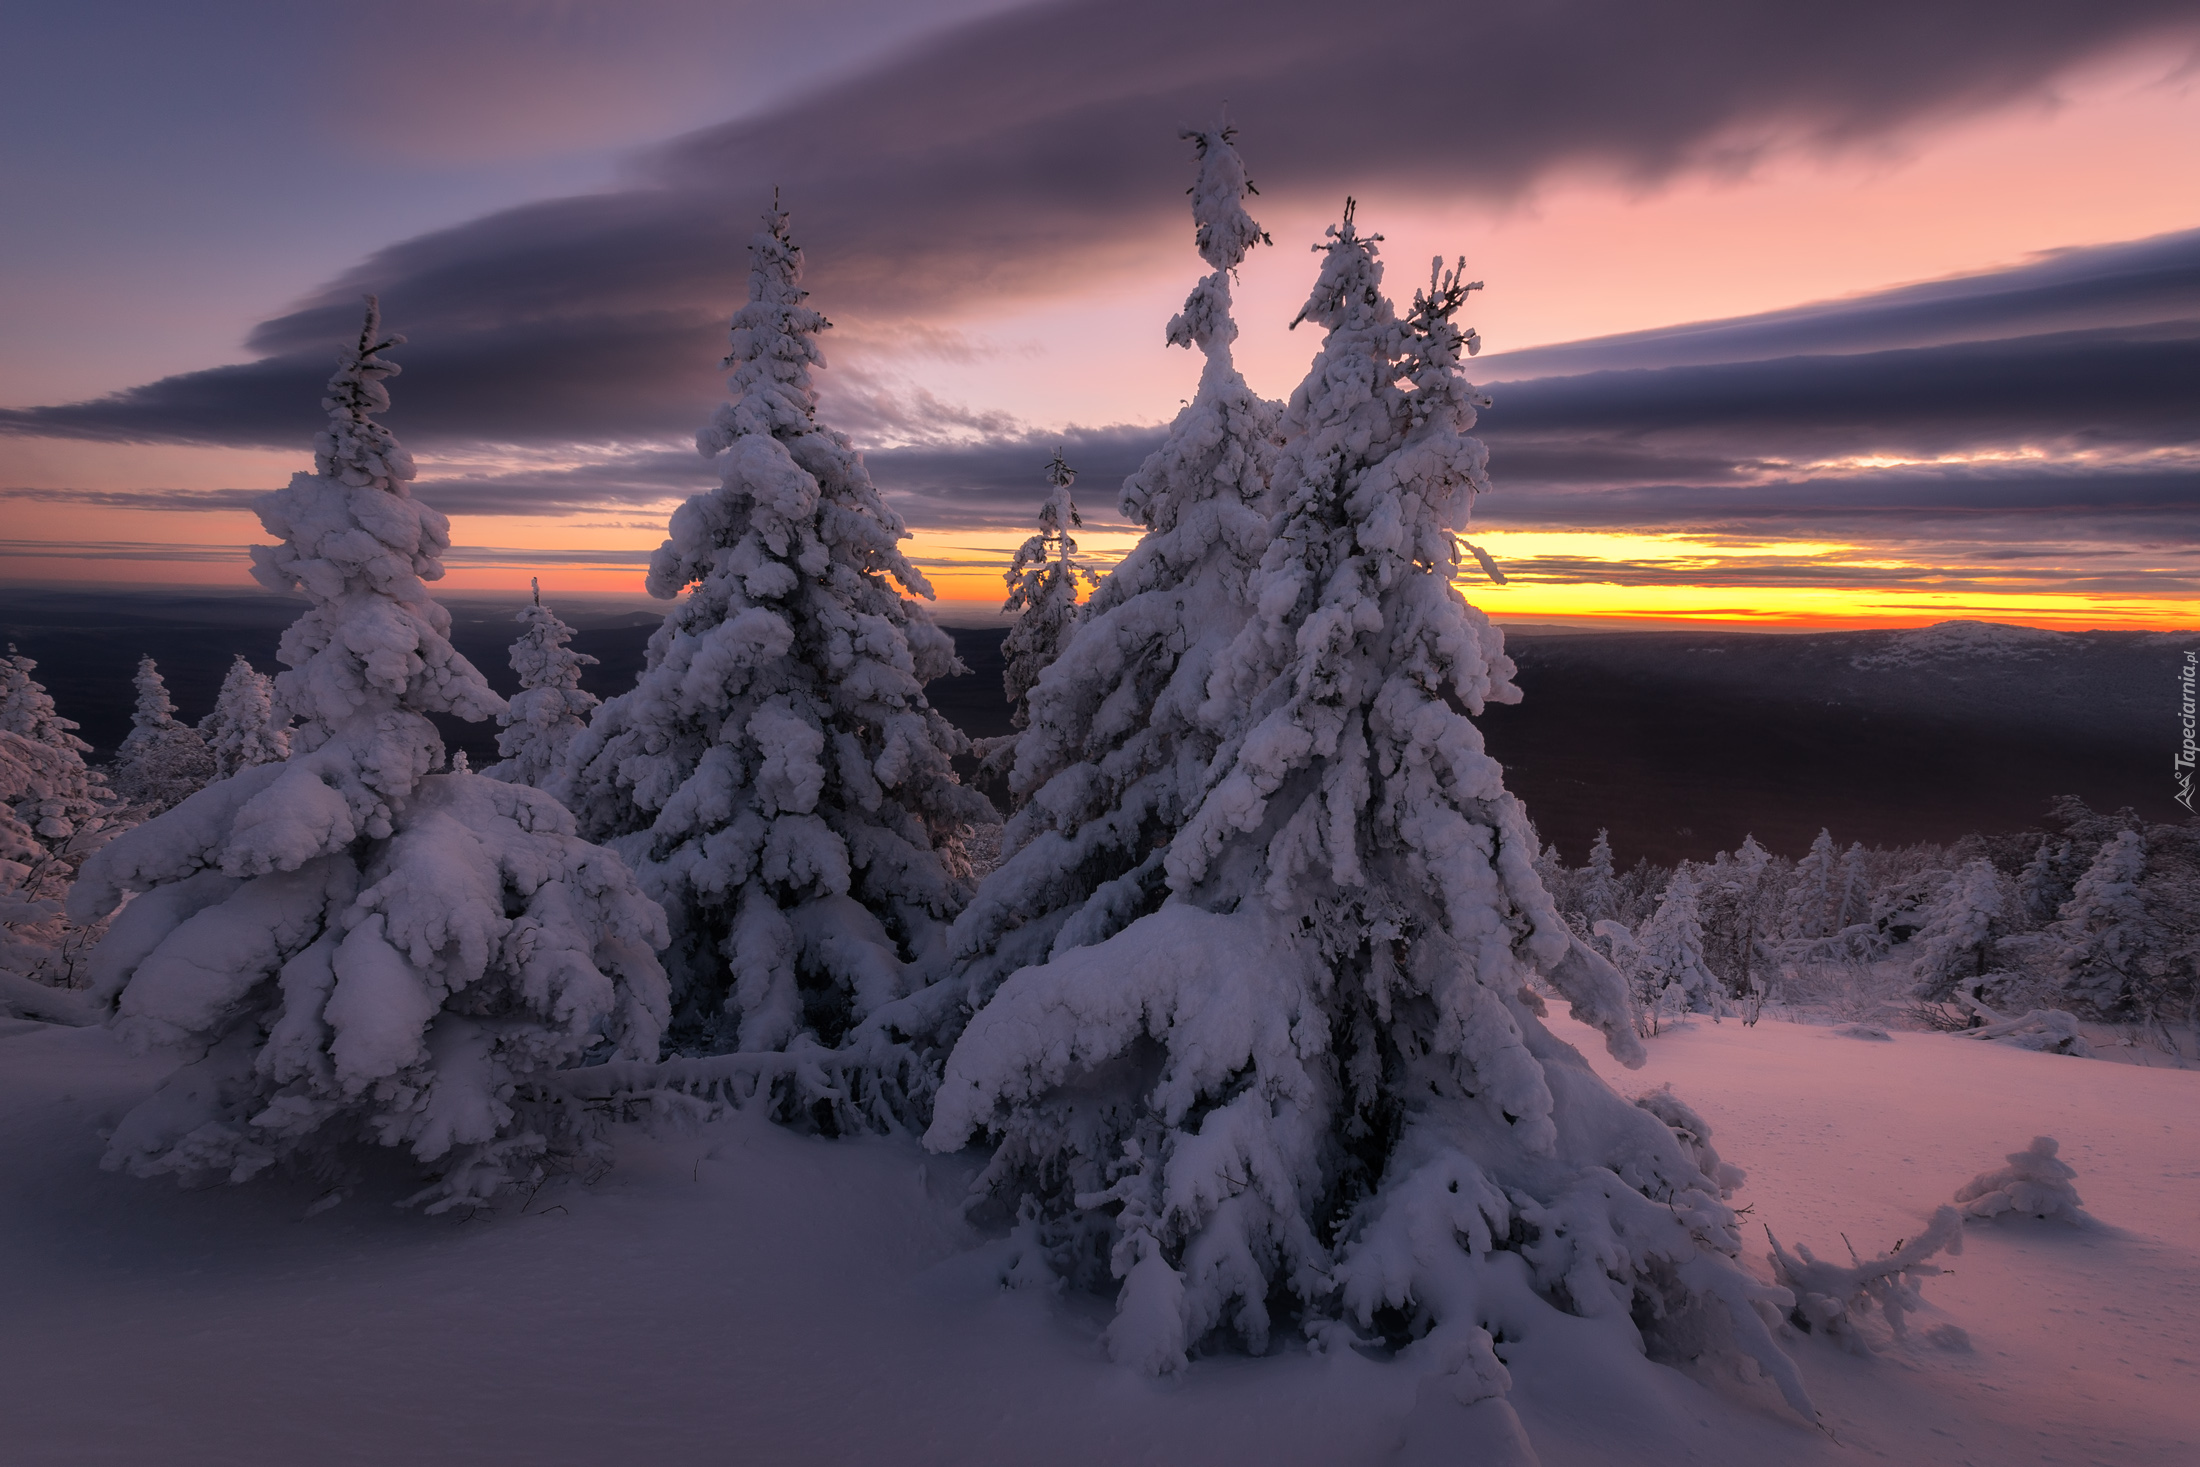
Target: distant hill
{"x":1683,"y":742}
{"x":1680,"y":742}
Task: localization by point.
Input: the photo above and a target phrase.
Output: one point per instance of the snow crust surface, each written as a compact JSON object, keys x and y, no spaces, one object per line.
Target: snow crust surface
{"x":737,"y":1292}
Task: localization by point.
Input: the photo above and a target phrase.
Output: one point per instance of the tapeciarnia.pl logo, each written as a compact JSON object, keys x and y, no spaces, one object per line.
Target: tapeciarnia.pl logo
{"x":2187,"y":750}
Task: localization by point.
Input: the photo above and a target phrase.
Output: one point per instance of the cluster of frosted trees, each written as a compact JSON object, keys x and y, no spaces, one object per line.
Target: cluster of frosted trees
{"x":1246,"y":1016}
{"x":2096,"y":914}
{"x":56,"y":809}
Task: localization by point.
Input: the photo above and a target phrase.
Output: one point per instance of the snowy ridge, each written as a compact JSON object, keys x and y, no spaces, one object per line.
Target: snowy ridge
{"x":1972,"y":641}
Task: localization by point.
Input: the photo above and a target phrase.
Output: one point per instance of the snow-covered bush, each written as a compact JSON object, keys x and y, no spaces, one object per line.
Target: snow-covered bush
{"x":2035,"y":1183}
{"x":1115,"y":750}
{"x":344,"y":946}
{"x":246,"y":729}
{"x":550,"y":709}
{"x":161,"y":760}
{"x":776,"y":775}
{"x":1833,"y":1299}
{"x":1312,"y":1082}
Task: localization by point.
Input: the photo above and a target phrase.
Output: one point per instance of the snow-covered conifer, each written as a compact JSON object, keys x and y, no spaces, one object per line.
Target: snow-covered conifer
{"x":161,"y":760}
{"x":1811,"y":907}
{"x":1738,"y":904}
{"x":1670,"y":974}
{"x":2103,"y":932}
{"x":1853,"y":904}
{"x":1314,"y":1078}
{"x":345,"y":946}
{"x":1044,"y":582}
{"x":550,"y":708}
{"x":1597,"y":891}
{"x":33,"y":880}
{"x":65,"y":805}
{"x":776,"y":774}
{"x":246,"y":729}
{"x":2044,"y":884}
{"x":1960,"y":928}
{"x":1114,"y":755}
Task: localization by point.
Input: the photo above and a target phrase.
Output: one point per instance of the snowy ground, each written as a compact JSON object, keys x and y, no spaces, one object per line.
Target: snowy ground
{"x":735,"y":1293}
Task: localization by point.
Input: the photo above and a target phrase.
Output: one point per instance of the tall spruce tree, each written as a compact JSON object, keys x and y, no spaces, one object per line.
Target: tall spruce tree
{"x":344,"y":946}
{"x":776,"y":774}
{"x":1314,"y":1076}
{"x":1111,"y":760}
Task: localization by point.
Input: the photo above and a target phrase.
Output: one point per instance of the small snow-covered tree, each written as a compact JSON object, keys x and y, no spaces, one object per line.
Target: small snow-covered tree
{"x":1960,"y":928}
{"x":245,"y":729}
{"x":1811,"y":909}
{"x":776,"y":774}
{"x":1044,"y":582}
{"x":2045,"y":882}
{"x":2035,"y":1183}
{"x":1313,"y":1078}
{"x":161,"y":760}
{"x":33,"y":879}
{"x":1670,"y":974}
{"x":66,"y":806}
{"x":344,"y":946}
{"x":2103,"y":933}
{"x":550,"y":708}
{"x":1738,"y":898}
{"x":1597,"y":891}
{"x":1116,"y":748}
{"x":1853,"y":903}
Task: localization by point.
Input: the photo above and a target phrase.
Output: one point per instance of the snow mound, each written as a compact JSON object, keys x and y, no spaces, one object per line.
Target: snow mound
{"x":2036,"y":1183}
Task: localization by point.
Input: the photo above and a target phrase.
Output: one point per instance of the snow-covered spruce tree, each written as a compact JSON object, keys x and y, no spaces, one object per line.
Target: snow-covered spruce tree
{"x":1854,"y":902}
{"x":776,"y":774}
{"x":1734,"y":896}
{"x":1044,"y":582}
{"x":2103,"y":932}
{"x":1314,"y":1079}
{"x":161,"y":760}
{"x":1670,"y":975}
{"x":1597,"y":890}
{"x":1115,"y":753}
{"x":34,"y":880}
{"x":550,"y":709}
{"x":1810,"y":909}
{"x":67,"y":807}
{"x":245,"y":728}
{"x":1961,"y":926}
{"x":343,"y":946}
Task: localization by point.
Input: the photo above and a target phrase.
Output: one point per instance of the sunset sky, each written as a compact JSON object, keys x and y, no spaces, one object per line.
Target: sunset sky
{"x":1796,"y":315}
